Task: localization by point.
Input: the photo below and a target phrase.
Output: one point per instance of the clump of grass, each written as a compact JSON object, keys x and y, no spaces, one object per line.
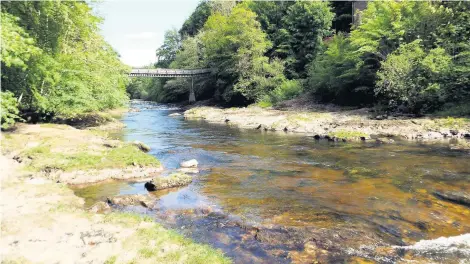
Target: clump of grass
{"x":453,"y":122}
{"x":111,"y":260}
{"x":128,"y":155}
{"x":347,"y":134}
{"x":264,"y":104}
{"x":176,"y":249}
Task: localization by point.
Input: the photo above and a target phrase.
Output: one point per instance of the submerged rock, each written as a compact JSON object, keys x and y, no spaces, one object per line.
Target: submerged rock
{"x":174,"y":180}
{"x":454,"y":196}
{"x":189,"y":163}
{"x":100,"y":207}
{"x":189,"y":170}
{"x":133,"y":199}
{"x":141,"y":146}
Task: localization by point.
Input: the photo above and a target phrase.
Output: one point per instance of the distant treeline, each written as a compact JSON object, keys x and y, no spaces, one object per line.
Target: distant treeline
{"x":409,"y":56}
{"x":55,"y":63}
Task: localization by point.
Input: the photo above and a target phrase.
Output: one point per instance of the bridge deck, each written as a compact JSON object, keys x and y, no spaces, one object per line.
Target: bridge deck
{"x":168,"y":72}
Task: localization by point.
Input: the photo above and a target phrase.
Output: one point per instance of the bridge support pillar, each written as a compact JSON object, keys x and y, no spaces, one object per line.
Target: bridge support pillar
{"x":192,"y":95}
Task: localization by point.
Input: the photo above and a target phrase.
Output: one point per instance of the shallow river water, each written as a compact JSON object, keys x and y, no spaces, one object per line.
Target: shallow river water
{"x":266,"y":197}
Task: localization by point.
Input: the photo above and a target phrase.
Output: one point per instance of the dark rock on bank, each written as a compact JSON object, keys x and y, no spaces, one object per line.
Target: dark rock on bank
{"x":141,"y":146}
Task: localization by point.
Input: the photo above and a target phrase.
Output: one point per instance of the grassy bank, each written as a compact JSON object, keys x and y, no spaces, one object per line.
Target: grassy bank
{"x":59,"y":227}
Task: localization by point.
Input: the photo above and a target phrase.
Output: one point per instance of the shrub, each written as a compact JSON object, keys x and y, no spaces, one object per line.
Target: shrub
{"x":412,"y":78}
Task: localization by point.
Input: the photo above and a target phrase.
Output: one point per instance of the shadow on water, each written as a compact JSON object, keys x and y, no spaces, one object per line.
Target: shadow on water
{"x":257,"y":189}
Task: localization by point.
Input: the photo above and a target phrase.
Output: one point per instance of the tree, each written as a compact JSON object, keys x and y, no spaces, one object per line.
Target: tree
{"x":196,"y":20}
{"x":307,"y":23}
{"x":235,"y":46}
{"x":70,"y":68}
{"x":167,"y":52}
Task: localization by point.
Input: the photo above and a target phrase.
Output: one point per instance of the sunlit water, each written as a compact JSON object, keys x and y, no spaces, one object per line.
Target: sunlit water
{"x":288,"y":180}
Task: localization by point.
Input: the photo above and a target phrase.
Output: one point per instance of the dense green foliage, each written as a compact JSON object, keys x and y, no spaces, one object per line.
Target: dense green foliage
{"x":258,"y":50}
{"x":409,"y":56}
{"x":55,"y":62}
{"x":9,"y":110}
{"x":405,"y":55}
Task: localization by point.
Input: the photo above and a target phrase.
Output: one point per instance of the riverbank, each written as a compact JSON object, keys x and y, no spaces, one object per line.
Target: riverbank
{"x":44,"y":222}
{"x":336,"y":124}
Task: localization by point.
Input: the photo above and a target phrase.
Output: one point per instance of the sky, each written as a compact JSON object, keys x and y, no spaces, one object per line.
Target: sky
{"x":135,"y":28}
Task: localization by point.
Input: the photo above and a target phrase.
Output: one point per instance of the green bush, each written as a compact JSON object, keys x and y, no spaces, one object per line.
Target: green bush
{"x":411,"y":78}
{"x":9,"y":111}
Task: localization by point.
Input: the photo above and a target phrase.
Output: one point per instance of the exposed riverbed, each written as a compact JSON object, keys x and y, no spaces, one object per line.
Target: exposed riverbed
{"x":276,"y":197}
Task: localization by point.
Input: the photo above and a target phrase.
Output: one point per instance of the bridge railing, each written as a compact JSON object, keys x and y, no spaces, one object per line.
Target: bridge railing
{"x":160,"y":71}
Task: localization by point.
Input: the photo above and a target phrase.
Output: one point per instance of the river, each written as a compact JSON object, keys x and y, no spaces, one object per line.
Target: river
{"x":265,"y":197}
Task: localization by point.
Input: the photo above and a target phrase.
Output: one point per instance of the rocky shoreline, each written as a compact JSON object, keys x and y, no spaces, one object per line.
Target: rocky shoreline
{"x":339,"y":125}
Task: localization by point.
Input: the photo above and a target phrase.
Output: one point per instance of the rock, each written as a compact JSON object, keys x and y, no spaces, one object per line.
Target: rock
{"x":112,"y":144}
{"x":454,"y":196}
{"x":189,"y":163}
{"x":384,"y":140}
{"x":175,"y":114}
{"x":141,"y":146}
{"x":454,"y":132}
{"x":433,"y":135}
{"x":100,"y":207}
{"x":189,"y":170}
{"x":381,"y":117}
{"x":133,"y":199}
{"x":171,"y":181}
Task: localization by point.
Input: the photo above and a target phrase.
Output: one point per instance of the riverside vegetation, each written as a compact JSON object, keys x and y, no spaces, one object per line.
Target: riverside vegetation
{"x":402,"y":56}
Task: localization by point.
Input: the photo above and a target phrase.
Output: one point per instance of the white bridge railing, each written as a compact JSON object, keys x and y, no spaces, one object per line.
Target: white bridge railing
{"x":168,"y":72}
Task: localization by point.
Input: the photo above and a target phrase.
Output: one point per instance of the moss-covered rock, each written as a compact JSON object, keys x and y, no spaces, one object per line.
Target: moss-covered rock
{"x":171,"y":181}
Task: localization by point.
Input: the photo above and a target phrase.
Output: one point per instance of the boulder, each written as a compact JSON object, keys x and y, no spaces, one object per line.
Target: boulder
{"x":100,"y":207}
{"x":133,"y":199}
{"x":454,"y":196}
{"x":173,"y":180}
{"x":141,"y":146}
{"x":189,"y":163}
{"x":175,"y":114}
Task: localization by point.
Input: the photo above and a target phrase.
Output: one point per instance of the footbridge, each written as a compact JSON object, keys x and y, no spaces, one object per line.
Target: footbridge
{"x":172,"y":73}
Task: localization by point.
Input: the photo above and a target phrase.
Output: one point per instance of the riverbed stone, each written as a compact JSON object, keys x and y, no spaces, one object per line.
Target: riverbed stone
{"x":384,"y":140}
{"x":176,"y":179}
{"x":132,"y":199}
{"x":189,"y":170}
{"x":189,"y":164}
{"x":141,"y":146}
{"x":458,"y":197}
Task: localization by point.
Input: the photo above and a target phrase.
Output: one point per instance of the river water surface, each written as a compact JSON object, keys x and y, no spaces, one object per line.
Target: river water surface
{"x":268,"y":197}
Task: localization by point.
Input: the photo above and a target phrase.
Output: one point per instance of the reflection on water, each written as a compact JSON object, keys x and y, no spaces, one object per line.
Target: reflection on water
{"x":295,"y":181}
